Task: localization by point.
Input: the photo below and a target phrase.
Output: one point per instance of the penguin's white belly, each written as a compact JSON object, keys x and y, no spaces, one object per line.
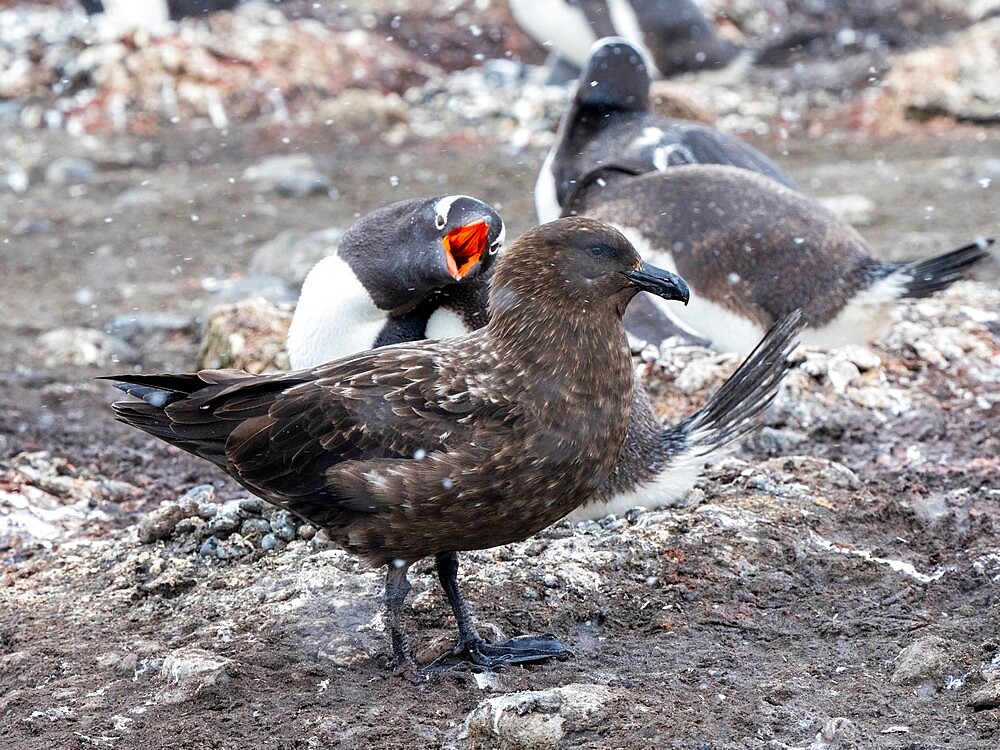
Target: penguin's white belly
{"x":664,"y":490}
{"x":140,"y":14}
{"x":866,"y":317}
{"x":728,"y":331}
{"x":335,"y":316}
{"x":445,"y":324}
{"x":670,"y":485}
{"x":546,"y":203}
{"x":558,"y":25}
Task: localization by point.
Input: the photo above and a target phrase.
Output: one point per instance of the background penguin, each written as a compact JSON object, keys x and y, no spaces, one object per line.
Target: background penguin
{"x":411,"y":270}
{"x":609,"y":121}
{"x":752,"y":250}
{"x":150,"y":13}
{"x":673,"y":35}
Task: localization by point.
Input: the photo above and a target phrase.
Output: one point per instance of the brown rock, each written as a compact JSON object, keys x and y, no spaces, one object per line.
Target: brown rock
{"x":249,"y":335}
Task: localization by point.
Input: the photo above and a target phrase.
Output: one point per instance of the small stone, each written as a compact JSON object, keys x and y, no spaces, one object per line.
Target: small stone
{"x":487,"y":681}
{"x":864,"y":359}
{"x":69,"y":170}
{"x":188,"y":526}
{"x":249,"y":335}
{"x":30,"y":225}
{"x":537,"y":719}
{"x":268,"y":542}
{"x":252,"y":286}
{"x":855,"y":209}
{"x":15,"y":179}
{"x":139,"y":327}
{"x":236,"y":546}
{"x":306,"y":532}
{"x":227,"y":519}
{"x":292,"y":176}
{"x":925,"y":658}
{"x":929,"y":354}
{"x":84,"y":347}
{"x":163,"y":521}
{"x":282,"y":526}
{"x":841,"y":373}
{"x":252,"y":505}
{"x":986,"y":697}
{"x":210,"y":547}
{"x":699,"y":375}
{"x":254,"y":528}
{"x":777,"y":442}
{"x":159,"y":524}
{"x":200,"y":494}
{"x":192,"y":672}
{"x":837,"y":734}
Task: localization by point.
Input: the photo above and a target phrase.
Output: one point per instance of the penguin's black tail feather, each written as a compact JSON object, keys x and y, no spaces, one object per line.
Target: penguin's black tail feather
{"x":734,"y":409}
{"x":941,"y":271}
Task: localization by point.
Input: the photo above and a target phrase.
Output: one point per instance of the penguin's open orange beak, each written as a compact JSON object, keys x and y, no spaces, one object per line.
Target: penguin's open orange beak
{"x":464,"y":246}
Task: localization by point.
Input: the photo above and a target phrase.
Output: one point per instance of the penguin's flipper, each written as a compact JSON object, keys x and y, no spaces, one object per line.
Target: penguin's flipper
{"x":710,"y":146}
{"x":600,"y":177}
{"x":941,"y":271}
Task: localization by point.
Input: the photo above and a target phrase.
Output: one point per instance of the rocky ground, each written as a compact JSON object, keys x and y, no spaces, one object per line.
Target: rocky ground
{"x":832,"y":584}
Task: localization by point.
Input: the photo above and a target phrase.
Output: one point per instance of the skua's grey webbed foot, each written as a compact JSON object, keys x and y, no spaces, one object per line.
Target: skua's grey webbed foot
{"x":472,"y":652}
{"x":480,"y":656}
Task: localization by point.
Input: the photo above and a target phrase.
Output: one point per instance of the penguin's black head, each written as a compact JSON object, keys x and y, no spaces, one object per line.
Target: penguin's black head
{"x":470,"y":232}
{"x":409,"y":251}
{"x":615,"y":77}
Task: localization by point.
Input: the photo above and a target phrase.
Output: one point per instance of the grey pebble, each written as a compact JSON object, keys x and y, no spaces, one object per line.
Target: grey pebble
{"x":291,"y":254}
{"x":69,"y":170}
{"x":292,"y":176}
{"x":252,"y":505}
{"x":225,"y":523}
{"x":271,"y":288}
{"x":268,"y":542}
{"x":255,"y":527}
{"x":282,"y":526}
{"x":306,"y":532}
{"x":202,"y":493}
{"x":777,"y":442}
{"x":189,"y":526}
{"x":138,"y":326}
{"x":210,"y":547}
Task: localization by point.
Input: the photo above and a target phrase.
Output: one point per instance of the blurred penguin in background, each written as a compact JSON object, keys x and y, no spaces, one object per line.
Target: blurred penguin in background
{"x":673,"y":35}
{"x":152,"y":13}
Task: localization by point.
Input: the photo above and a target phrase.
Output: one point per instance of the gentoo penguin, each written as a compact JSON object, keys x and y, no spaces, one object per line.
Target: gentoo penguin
{"x":673,"y":35}
{"x":411,"y":270}
{"x":753,"y":250}
{"x":150,"y":13}
{"x":609,"y":121}
{"x":337,"y":316}
{"x":427,"y":449}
